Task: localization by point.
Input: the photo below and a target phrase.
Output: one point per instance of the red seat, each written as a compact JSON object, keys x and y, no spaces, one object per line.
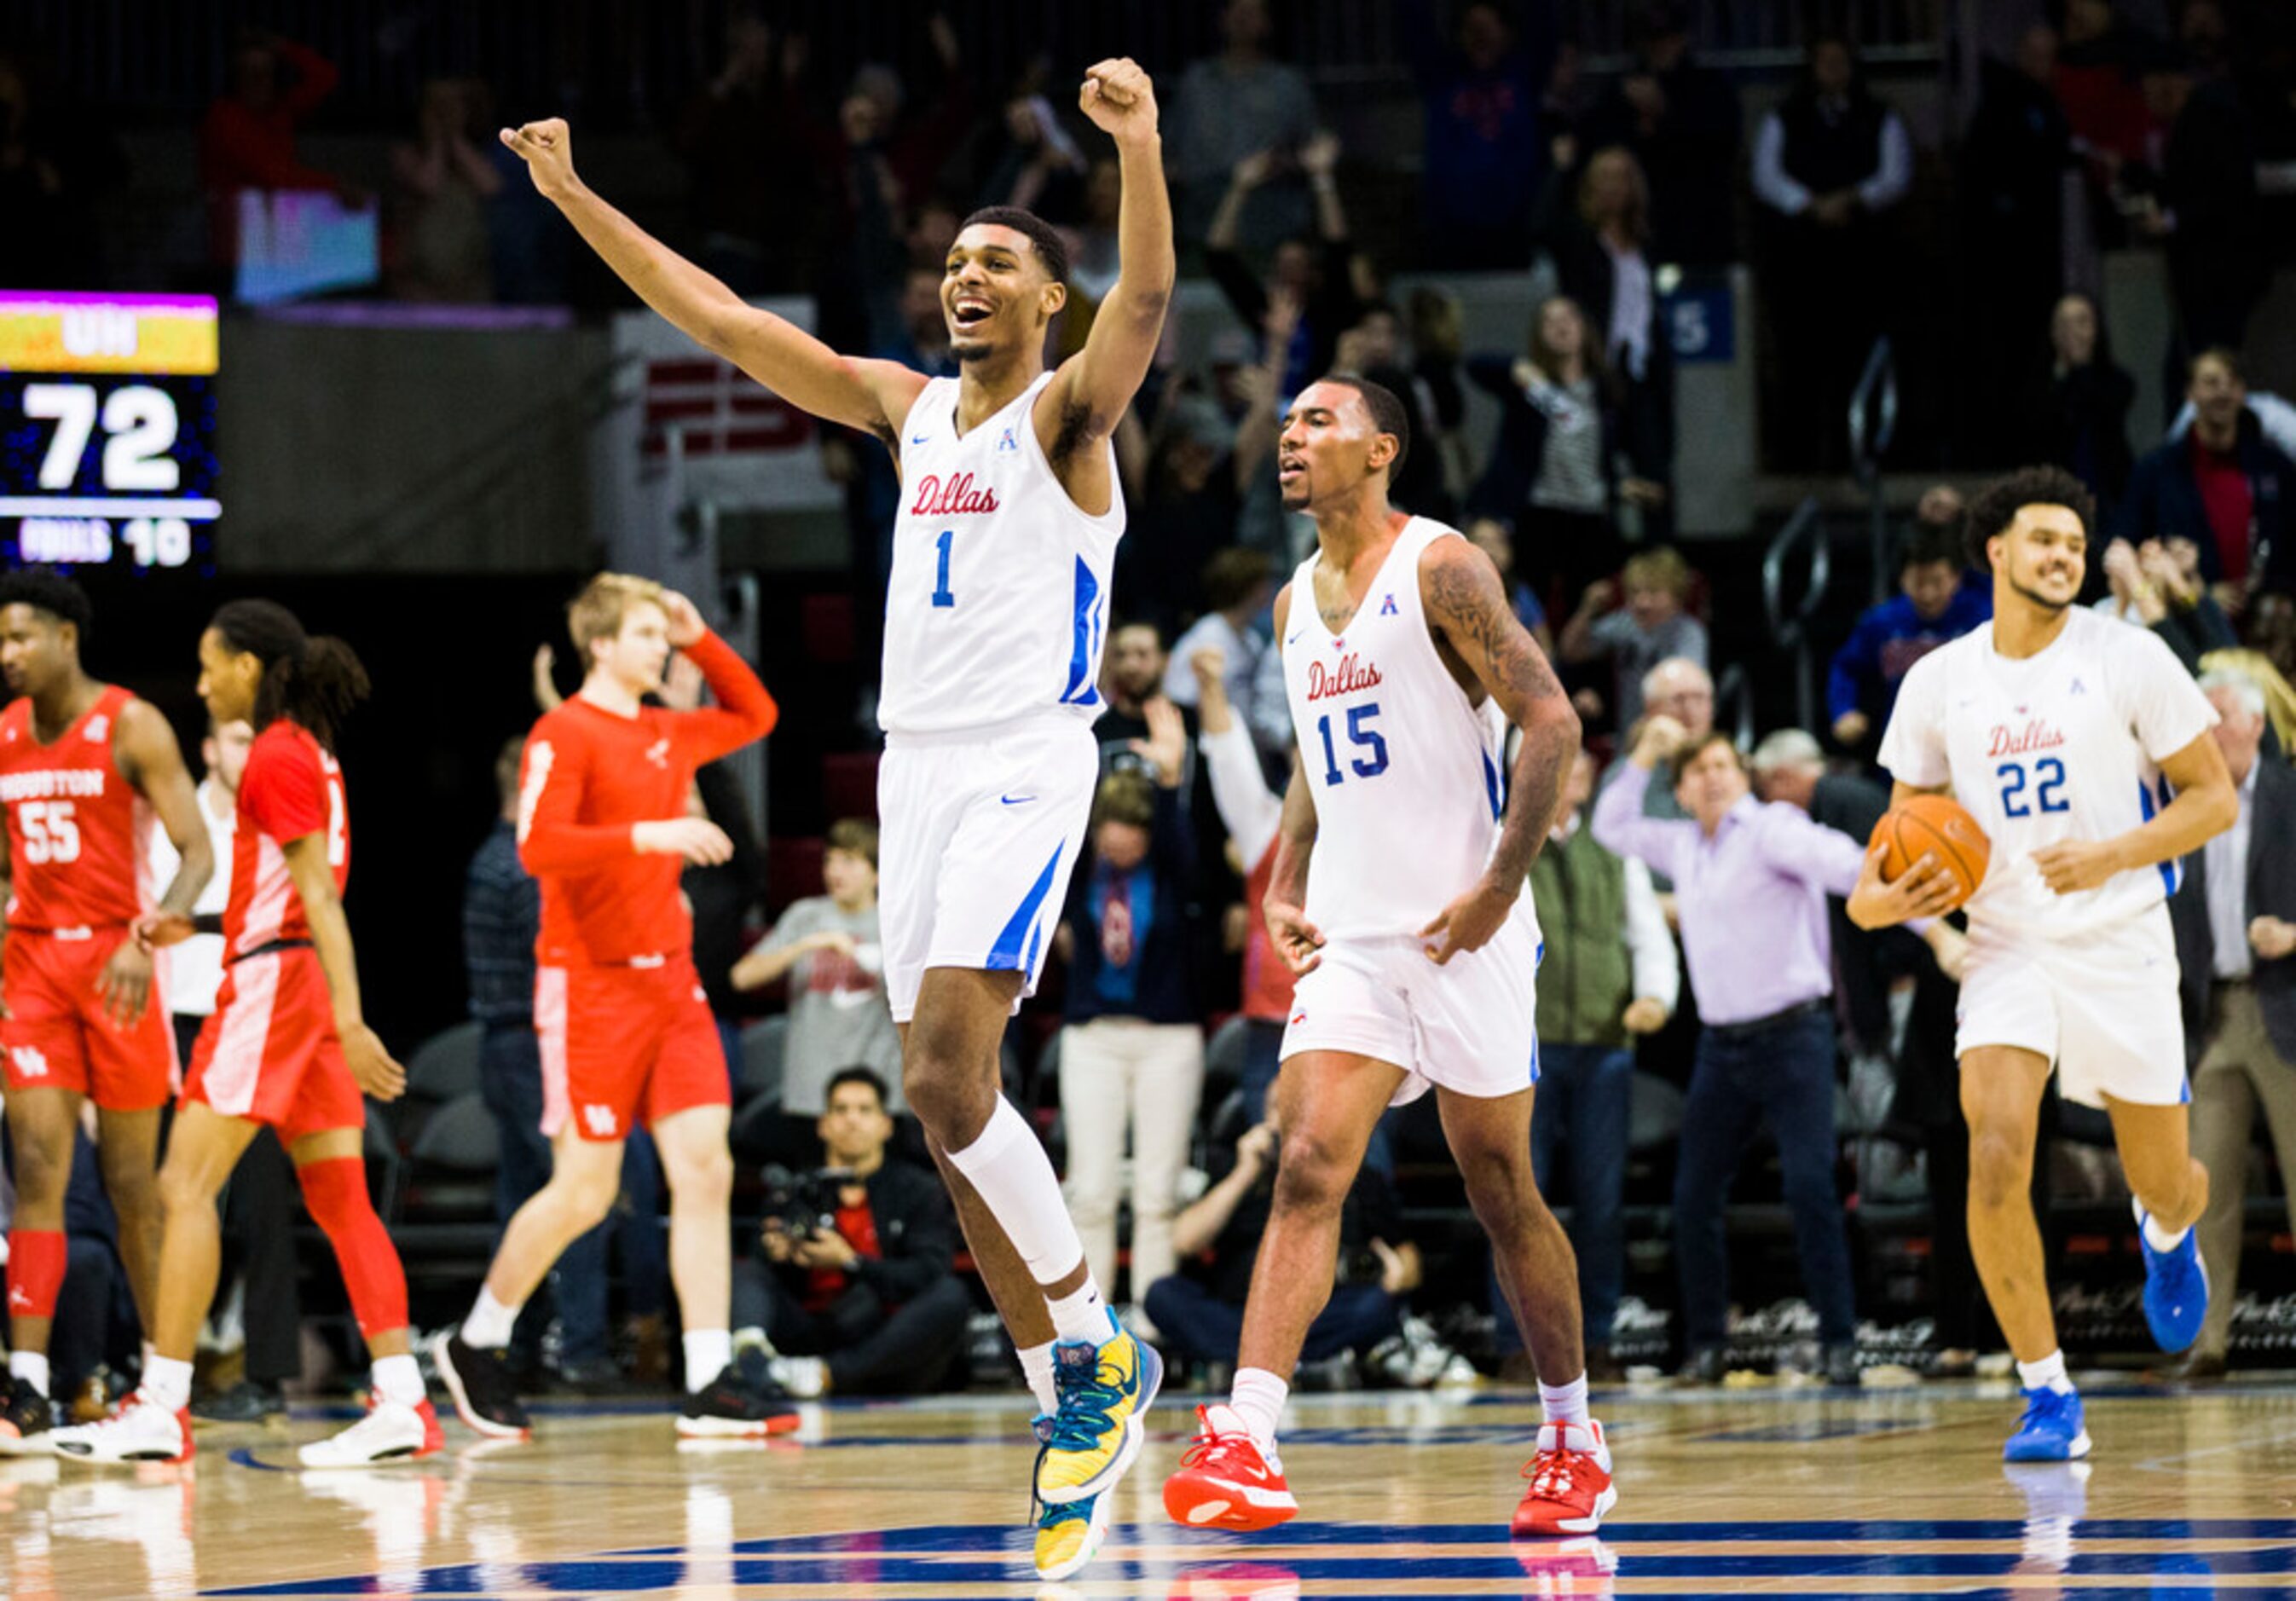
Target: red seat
{"x":848,"y":784}
{"x":793,"y":869}
{"x":825,"y":625}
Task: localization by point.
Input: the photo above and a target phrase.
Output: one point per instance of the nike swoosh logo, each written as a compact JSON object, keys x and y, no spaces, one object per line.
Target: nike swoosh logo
{"x":1296,"y":639}
{"x":919,"y":438}
{"x":1016,"y":799}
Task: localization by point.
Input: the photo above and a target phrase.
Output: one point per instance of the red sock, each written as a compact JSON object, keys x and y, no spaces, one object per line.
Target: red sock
{"x":35,"y":1270}
{"x":335,"y":1191}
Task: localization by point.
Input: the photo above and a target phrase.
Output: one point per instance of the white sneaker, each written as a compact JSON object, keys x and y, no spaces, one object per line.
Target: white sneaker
{"x":390,"y":1431}
{"x":139,"y":1432}
{"x":805,"y":1378}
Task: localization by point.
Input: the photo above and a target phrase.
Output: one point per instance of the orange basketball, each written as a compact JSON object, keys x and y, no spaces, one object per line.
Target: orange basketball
{"x":1936,"y":825}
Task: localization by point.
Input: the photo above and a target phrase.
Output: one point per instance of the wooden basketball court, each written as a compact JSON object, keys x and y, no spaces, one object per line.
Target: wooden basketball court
{"x":1800,"y":1492}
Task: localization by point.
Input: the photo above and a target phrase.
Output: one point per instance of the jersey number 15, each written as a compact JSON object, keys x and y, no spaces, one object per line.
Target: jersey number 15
{"x":1362,"y":735}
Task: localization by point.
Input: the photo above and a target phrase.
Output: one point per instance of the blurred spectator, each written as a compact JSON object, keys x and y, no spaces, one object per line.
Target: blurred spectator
{"x":1238,"y":586}
{"x":54,"y":167}
{"x":1600,"y":250}
{"x":1750,"y":884}
{"x":2201,"y":202}
{"x":877,"y":123}
{"x":2157,"y":585}
{"x":1609,"y":974}
{"x":1495,"y":537}
{"x":1093,"y":255}
{"x":440,"y":187}
{"x":1374,"y":348}
{"x":1551,"y":463}
{"x":247,"y":140}
{"x":2224,"y":485}
{"x":1649,"y":628}
{"x":1132,"y":1042}
{"x":1683,"y":690}
{"x":2235,"y":921}
{"x":1199,"y":1311}
{"x":829,"y":947}
{"x":1930,"y":607}
{"x":2096,"y":83}
{"x":722,"y":897}
{"x":2012,"y":169}
{"x":1830,"y":164}
{"x":2090,"y":397}
{"x":1131,"y":681}
{"x":1035,"y":164}
{"x":1228,"y":108}
{"x":759,"y":214}
{"x":1681,"y":122}
{"x":1318,"y":273}
{"x":866,"y":1300}
{"x":529,"y":243}
{"x":1437,"y":346}
{"x":1486,"y":155}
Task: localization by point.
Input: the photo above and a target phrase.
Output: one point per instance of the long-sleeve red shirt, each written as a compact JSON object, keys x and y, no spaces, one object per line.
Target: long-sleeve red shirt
{"x":589,"y":775}
{"x":241,"y":148}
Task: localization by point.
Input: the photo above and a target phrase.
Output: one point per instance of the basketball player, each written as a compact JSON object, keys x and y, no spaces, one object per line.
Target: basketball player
{"x":1396,"y":895}
{"x":994,"y":623}
{"x":288,"y":1046}
{"x":2060,"y":731}
{"x":84,"y":768}
{"x":627,"y":1038}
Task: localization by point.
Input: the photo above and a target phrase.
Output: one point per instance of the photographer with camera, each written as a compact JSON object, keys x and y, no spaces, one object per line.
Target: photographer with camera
{"x":855,"y":1292}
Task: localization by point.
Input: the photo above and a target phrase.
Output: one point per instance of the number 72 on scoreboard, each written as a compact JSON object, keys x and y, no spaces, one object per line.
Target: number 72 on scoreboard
{"x":106,"y":430}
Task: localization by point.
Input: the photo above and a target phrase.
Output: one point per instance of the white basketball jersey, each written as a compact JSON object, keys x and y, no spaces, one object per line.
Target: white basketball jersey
{"x":1405,"y":771}
{"x":998,"y":603}
{"x":2063,"y":745}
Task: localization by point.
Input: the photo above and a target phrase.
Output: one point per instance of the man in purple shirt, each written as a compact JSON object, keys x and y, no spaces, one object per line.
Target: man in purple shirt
{"x":1750,"y":884}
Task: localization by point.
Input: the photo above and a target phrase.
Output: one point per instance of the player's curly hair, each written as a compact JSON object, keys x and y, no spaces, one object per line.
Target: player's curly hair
{"x":1996,"y":506}
{"x":48,"y":592}
{"x":312,"y":680}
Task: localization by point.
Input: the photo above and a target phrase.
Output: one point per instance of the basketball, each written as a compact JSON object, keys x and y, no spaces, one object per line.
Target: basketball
{"x":1939,"y":825}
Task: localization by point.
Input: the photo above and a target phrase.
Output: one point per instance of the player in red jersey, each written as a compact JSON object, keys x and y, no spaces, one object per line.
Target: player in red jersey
{"x":84,"y":768}
{"x":287,"y":1045}
{"x":627,"y":1035}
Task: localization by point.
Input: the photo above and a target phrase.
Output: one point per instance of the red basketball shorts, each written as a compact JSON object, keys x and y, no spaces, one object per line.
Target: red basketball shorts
{"x":57,"y":1035}
{"x":270,"y":1052}
{"x":625,"y":1046}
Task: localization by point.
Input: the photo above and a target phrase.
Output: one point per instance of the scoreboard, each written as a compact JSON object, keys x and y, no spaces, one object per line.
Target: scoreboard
{"x":107,"y":431}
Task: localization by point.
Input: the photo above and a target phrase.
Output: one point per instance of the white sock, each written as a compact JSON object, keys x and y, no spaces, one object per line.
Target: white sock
{"x":397,"y":1379}
{"x":753,"y":1339}
{"x":490,"y":1322}
{"x":1082,"y":1314}
{"x":166,"y":1383}
{"x":1037,"y":1367}
{"x":1563,"y":1403}
{"x":2047,"y":1374}
{"x":1015,"y":1179}
{"x":2156,"y":1236}
{"x":1259,"y":1400}
{"x":708,"y":1351}
{"x":31,"y":1368}
{"x":147,"y":1352}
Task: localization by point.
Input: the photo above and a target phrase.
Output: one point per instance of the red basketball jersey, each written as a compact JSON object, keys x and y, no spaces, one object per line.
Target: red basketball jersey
{"x":77,"y":830}
{"x":292,"y":787}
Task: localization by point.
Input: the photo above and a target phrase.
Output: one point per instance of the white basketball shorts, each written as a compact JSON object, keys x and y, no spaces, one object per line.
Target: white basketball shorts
{"x":979,"y":833}
{"x":2103,"y":1007}
{"x":1471,"y":1025}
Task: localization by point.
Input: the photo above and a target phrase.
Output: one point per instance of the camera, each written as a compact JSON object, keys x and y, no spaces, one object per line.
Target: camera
{"x":800,"y":1204}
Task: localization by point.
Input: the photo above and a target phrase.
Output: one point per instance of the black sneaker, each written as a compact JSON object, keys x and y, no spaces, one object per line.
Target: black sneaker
{"x":246,"y":1401}
{"x":26,"y":1417}
{"x":485,"y":1391}
{"x":737,"y":1407}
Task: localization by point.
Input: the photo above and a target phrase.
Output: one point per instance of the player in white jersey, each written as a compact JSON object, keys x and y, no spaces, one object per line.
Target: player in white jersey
{"x":2081,"y":746}
{"x":1418,"y":954}
{"x":994,"y":625}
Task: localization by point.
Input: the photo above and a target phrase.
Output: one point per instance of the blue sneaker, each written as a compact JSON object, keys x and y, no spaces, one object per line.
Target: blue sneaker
{"x":2051,"y":1430}
{"x":2175,"y":1289}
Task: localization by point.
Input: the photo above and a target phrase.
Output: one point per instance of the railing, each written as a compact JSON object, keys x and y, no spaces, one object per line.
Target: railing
{"x":1873,"y":424}
{"x":1791,"y":628}
{"x":1734,"y":704}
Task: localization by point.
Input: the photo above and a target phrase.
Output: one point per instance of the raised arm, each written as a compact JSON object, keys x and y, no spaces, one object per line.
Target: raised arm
{"x":746,"y":709}
{"x":869,"y":395}
{"x":1466,"y":602}
{"x":1619,"y":825}
{"x":1089,"y":393}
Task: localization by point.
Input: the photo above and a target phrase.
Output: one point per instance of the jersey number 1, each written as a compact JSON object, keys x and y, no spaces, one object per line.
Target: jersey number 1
{"x":941,"y":596}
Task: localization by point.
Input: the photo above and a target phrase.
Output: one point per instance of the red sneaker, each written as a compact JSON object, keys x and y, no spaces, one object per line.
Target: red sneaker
{"x":1226,"y":1482}
{"x":1570,"y":1486}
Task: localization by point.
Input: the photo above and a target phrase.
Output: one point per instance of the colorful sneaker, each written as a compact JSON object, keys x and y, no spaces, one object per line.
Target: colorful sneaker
{"x":2051,"y":1431}
{"x":484,"y":1392}
{"x":27,"y":1420}
{"x":730,"y":1407}
{"x":2175,"y":1289}
{"x":389,"y":1433}
{"x":1104,"y":1391}
{"x":1570,"y":1486}
{"x":1069,"y":1536}
{"x":1225,"y":1481}
{"x":139,"y":1432}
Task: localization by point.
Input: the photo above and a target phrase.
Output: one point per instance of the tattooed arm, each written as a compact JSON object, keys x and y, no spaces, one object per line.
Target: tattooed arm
{"x":1467,"y":605}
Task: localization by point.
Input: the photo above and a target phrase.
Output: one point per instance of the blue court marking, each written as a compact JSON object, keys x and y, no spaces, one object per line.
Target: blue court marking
{"x":1810,"y":1429}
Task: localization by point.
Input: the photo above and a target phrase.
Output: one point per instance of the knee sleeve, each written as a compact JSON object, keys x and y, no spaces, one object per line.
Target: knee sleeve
{"x":335,"y":1191}
{"x":37,"y":1258}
